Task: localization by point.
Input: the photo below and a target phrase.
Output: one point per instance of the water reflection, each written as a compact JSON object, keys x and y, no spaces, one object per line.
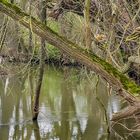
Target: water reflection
{"x":69,"y":109}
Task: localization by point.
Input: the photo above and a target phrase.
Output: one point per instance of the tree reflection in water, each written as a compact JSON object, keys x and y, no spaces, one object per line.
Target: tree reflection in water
{"x":69,"y":109}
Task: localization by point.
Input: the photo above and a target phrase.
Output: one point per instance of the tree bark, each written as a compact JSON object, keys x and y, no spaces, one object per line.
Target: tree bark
{"x":42,"y":17}
{"x":87,"y":16}
{"x":30,"y":48}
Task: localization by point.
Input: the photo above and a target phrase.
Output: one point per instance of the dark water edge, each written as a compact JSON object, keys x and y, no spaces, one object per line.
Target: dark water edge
{"x":72,"y":107}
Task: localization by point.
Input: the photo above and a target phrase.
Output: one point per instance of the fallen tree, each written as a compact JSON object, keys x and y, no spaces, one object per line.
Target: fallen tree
{"x":120,"y":82}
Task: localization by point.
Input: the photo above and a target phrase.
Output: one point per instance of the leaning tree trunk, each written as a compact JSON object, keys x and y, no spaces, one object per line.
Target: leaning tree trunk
{"x":121,"y":83}
{"x":42,"y":17}
{"x":30,"y":50}
{"x":88,"y":40}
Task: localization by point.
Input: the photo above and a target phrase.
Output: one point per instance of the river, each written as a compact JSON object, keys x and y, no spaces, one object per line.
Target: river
{"x":74,"y":105}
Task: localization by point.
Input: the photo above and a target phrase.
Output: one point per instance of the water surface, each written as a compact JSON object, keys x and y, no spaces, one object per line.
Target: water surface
{"x":74,"y":105}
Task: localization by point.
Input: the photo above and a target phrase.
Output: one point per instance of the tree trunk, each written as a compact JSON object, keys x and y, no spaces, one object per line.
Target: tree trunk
{"x":30,"y":49}
{"x":41,"y":64}
{"x":87,"y":16}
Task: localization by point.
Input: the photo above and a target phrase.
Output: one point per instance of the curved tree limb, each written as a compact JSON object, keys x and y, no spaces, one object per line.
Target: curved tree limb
{"x":126,"y":112}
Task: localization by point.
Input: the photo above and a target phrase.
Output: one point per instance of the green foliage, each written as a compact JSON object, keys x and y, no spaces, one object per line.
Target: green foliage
{"x":53,"y":25}
{"x":53,"y":52}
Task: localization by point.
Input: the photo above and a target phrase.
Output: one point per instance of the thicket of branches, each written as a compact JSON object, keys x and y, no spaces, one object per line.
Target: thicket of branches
{"x":113,"y":28}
